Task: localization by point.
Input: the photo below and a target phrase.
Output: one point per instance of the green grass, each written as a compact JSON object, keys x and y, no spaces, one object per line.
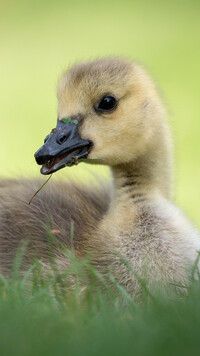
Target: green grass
{"x":42,"y":316}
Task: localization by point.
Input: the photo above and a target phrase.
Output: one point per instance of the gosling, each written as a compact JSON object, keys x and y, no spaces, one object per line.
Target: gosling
{"x":110,"y":113}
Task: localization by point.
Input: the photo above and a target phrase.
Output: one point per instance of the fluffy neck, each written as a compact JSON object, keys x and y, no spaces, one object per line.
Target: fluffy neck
{"x":147,"y":177}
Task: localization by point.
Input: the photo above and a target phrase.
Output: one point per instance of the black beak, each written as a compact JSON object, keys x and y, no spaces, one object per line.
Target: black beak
{"x":62,"y":147}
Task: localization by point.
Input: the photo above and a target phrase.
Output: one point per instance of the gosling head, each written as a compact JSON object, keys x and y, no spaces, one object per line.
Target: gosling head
{"x":108,"y":111}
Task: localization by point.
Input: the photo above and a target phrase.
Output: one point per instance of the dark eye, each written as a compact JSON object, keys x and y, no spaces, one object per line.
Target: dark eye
{"x":108,"y":103}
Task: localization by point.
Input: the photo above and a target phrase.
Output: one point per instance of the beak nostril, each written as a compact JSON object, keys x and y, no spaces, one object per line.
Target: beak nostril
{"x":60,"y":140}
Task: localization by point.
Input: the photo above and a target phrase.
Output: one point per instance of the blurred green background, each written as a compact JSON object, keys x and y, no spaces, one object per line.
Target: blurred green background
{"x":39,"y":39}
